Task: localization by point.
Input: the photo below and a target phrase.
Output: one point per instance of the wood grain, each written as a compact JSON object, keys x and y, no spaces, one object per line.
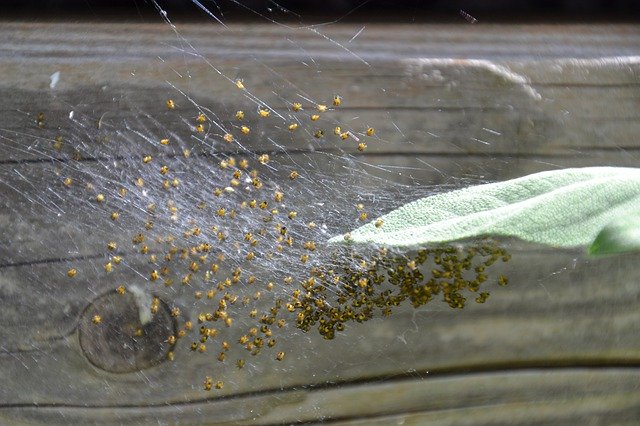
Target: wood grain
{"x":65,"y":223}
{"x":560,"y":312}
{"x":559,"y":344}
{"x":517,"y":397}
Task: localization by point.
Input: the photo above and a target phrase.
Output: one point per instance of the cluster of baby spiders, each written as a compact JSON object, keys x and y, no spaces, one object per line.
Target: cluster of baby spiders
{"x":243,"y":227}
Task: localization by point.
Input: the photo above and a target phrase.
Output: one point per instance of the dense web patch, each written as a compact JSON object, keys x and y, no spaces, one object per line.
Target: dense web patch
{"x":213,"y":223}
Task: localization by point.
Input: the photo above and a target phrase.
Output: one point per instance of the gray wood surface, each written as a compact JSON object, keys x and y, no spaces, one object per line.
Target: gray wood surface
{"x":559,"y":344}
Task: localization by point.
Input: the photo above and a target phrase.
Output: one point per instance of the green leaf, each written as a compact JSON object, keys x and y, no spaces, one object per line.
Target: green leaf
{"x":561,"y":208}
{"x":618,"y":237}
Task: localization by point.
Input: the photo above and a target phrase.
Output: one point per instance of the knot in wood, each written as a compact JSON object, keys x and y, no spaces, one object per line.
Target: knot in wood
{"x":118,"y":334}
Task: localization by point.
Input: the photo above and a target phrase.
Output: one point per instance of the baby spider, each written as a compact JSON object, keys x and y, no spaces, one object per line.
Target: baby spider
{"x":57,"y":143}
{"x":208,"y":383}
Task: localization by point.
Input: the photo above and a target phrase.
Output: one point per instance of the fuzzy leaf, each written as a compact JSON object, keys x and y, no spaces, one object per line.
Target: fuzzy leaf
{"x":618,"y":237}
{"x":561,"y":208}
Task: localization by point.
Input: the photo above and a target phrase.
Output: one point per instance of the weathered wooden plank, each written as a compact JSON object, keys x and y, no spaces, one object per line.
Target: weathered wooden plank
{"x":556,"y":310}
{"x":559,"y":309}
{"x":457,"y":114}
{"x":521,"y":397}
{"x":409,"y":100}
{"x":410,"y":83}
{"x":619,"y":409}
{"x":613,"y":69}
{"x":376,"y":41}
{"x":127,"y":128}
{"x":47,"y":220}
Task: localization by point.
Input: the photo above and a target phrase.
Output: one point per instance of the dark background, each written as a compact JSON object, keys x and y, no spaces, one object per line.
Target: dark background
{"x":547,"y":11}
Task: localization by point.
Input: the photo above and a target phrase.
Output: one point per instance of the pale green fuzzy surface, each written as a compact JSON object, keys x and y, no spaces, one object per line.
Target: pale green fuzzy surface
{"x":620,"y":236}
{"x":562,"y":208}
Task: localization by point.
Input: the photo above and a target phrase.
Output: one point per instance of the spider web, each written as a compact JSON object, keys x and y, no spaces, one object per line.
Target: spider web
{"x":145,"y":185}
